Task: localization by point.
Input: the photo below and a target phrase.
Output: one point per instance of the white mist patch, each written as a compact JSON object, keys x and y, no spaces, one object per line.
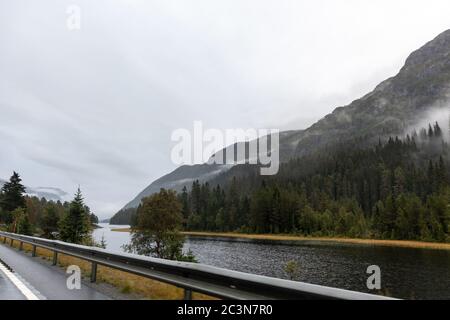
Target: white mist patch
{"x":441,"y":115}
{"x":49,"y":193}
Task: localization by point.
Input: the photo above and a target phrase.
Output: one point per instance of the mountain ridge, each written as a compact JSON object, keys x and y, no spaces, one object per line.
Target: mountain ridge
{"x":49,"y":193}
{"x":394,"y":105}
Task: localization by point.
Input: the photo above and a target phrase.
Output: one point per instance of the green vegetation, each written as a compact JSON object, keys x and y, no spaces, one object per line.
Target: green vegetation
{"x":156,"y":232}
{"x":123,"y":216}
{"x":19,"y":213}
{"x":21,"y":224}
{"x":11,"y":199}
{"x":398,"y":189}
{"x":73,"y":222}
{"x":51,"y":216}
{"x":75,"y":226}
{"x":292,"y":270}
{"x":127,"y":283}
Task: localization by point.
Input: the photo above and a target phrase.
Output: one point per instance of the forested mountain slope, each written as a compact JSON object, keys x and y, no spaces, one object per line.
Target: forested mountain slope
{"x":420,"y":90}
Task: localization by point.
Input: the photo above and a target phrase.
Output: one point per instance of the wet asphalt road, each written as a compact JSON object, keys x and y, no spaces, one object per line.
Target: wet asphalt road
{"x":45,"y":281}
{"x":8,"y":291}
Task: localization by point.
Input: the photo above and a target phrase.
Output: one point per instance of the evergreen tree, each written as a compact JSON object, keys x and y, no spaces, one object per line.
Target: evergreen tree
{"x":75,"y":227}
{"x":102,"y":244}
{"x":430,"y":132}
{"x":12,"y":196}
{"x":437,"y":130}
{"x":185,"y":209}
{"x":398,"y":189}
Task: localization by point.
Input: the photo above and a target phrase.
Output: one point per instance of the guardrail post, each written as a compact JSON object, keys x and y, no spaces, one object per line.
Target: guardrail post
{"x":12,"y":242}
{"x":55,"y":258}
{"x":251,"y":288}
{"x":94,"y":272}
{"x":187,"y":294}
{"x":21,"y":246}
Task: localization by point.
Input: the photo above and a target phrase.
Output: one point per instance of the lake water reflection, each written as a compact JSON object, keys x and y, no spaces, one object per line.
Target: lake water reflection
{"x":406,"y":272}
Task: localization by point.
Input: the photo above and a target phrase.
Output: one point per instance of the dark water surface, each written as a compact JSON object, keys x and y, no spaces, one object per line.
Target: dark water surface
{"x":405,"y":272}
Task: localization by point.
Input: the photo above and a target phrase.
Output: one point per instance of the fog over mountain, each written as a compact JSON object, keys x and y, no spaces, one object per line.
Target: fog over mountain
{"x":48,"y":193}
{"x":417,"y":96}
{"x":96,"y":107}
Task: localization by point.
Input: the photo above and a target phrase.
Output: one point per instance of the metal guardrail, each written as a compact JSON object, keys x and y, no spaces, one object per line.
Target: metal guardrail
{"x":212,"y":281}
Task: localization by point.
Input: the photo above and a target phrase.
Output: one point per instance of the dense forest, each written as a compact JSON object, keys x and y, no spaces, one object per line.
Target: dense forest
{"x":123,"y":216}
{"x":69,"y":221}
{"x":397,"y":189}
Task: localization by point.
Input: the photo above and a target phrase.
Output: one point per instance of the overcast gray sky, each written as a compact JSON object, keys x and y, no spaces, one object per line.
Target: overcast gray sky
{"x":96,"y":107}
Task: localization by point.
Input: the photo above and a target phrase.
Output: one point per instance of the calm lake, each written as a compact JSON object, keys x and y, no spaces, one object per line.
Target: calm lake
{"x":405,"y":272}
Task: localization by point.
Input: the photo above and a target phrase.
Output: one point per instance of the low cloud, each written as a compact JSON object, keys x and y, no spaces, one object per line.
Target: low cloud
{"x":439,"y":114}
{"x":96,"y":107}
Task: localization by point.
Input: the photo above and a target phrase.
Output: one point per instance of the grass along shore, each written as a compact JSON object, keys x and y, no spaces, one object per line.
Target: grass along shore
{"x":281,"y":237}
{"x":126,"y":283}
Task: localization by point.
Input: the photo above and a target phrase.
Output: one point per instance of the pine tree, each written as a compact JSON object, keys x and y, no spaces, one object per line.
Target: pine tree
{"x":12,"y":194}
{"x":185,"y":210}
{"x":396,"y":189}
{"x":103,"y":244}
{"x":430,"y":131}
{"x":437,"y":130}
{"x":75,"y":227}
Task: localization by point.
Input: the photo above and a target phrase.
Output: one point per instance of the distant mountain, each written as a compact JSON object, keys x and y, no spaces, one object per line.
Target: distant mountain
{"x":48,"y":193}
{"x":393,"y":107}
{"x":182,"y":176}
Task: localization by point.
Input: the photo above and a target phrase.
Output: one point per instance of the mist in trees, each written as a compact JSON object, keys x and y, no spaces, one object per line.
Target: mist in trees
{"x":397,"y":189}
{"x":20,"y":213}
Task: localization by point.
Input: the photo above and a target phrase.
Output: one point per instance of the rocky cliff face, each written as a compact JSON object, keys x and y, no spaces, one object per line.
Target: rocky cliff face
{"x":396,"y":104}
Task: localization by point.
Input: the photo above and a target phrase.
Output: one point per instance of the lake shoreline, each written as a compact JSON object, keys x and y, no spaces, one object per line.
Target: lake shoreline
{"x":280,"y":237}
